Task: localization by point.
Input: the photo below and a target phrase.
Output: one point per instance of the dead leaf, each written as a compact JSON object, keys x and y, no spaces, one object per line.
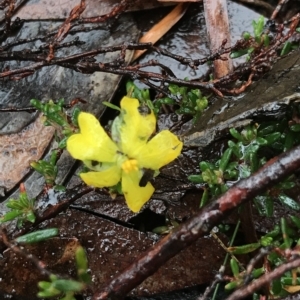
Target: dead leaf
{"x":18,"y":150}
{"x":161,"y":28}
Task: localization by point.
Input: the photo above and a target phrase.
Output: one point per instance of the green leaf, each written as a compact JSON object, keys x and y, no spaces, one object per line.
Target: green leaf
{"x":232,"y":285}
{"x":201,"y":104}
{"x":37,"y":166}
{"x":235,"y":149}
{"x":66,"y":285}
{"x":239,"y":53}
{"x":36,"y":103}
{"x":149,"y":103}
{"x":290,"y":281}
{"x":244,"y":171}
{"x":276,"y":286}
{"x":30,"y":216}
{"x":14,"y":204}
{"x":266,"y":241}
{"x":204,"y":165}
{"x":53,"y":158}
{"x":68,"y":296}
{"x":225,"y":159}
{"x":20,"y":222}
{"x":286,"y":48}
{"x":253,"y":162}
{"x":167,"y":101}
{"x":286,"y":185}
{"x":261,"y":141}
{"x":212,"y":177}
{"x":74,"y":116}
{"x":129,"y":88}
{"x":59,"y":188}
{"x":234,"y":268}
{"x":224,"y":188}
{"x":108,"y":104}
{"x":284,"y":199}
{"x":195,"y":178}
{"x":24,"y":200}
{"x":289,"y":140}
{"x":145,"y":94}
{"x":37,"y":236}
{"x":11,"y":215}
{"x":296,"y":221}
{"x":269,"y":206}
{"x":244,"y":249}
{"x":264,"y":204}
{"x":236,"y":134}
{"x":258,"y":28}
{"x":275,"y":232}
{"x":258,"y":272}
{"x":63,"y":143}
{"x":48,"y":294}
{"x":44,"y":285}
{"x":295,"y":127}
{"x":246,"y":35}
{"x":266,"y":129}
{"x":161,"y":230}
{"x":273,"y":137}
{"x":204,"y":198}
{"x":285,"y":234}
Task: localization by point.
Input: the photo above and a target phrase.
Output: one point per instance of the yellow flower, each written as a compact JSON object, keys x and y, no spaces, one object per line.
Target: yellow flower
{"x":124,"y":156}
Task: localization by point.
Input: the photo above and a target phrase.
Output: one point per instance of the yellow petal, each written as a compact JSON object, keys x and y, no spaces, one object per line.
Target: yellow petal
{"x":92,"y":143}
{"x":135,"y":195}
{"x":138,"y":123}
{"x":106,"y":178}
{"x":159,"y":151}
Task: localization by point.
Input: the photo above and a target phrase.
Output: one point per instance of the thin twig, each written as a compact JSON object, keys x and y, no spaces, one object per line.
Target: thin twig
{"x":29,"y":257}
{"x":264,"y":279}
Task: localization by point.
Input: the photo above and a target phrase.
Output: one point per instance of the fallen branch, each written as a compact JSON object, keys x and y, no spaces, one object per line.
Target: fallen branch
{"x":271,"y":173}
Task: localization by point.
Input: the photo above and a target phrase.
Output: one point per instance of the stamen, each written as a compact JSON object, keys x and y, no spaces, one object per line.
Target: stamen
{"x":130,"y":165}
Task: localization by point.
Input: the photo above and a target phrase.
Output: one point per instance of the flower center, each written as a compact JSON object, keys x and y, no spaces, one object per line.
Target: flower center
{"x":130,"y":165}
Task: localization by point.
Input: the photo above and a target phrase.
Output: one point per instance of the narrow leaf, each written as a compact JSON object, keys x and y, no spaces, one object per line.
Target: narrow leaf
{"x":38,"y":236}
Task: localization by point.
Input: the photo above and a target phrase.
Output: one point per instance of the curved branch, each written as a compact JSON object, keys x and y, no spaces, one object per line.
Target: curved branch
{"x":273,"y":172}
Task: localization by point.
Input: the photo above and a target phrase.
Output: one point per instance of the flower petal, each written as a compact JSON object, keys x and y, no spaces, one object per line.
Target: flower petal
{"x":159,"y":151}
{"x":92,"y":143}
{"x":135,"y":195}
{"x":135,"y":125}
{"x":106,"y":178}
